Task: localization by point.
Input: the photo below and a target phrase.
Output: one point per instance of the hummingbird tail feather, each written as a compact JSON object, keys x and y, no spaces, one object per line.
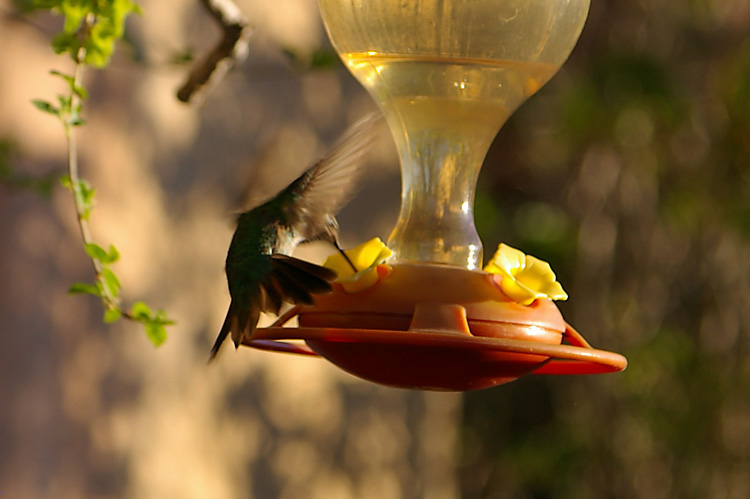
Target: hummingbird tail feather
{"x":222,"y":335}
{"x":245,"y":326}
{"x":291,"y":280}
{"x":239,"y":323}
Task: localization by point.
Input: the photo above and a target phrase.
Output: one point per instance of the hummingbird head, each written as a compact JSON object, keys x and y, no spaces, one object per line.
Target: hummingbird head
{"x":327,"y":231}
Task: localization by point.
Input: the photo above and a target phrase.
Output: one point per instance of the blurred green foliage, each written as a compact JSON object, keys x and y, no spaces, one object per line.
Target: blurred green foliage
{"x":630,"y":174}
{"x":11,"y":178}
{"x":92,"y":25}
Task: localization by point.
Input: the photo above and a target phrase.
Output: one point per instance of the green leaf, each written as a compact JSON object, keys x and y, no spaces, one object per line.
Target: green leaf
{"x":141,"y":311}
{"x":74,"y":12}
{"x":65,"y":102}
{"x":153,"y":325}
{"x":111,"y":282}
{"x":96,"y":252}
{"x":80,"y":92}
{"x":68,"y":78}
{"x":64,"y":42}
{"x":77,"y":121}
{"x":84,"y":195}
{"x":109,"y":27}
{"x":86,"y":191}
{"x":75,"y":118}
{"x":66,"y":182}
{"x":156,"y":332}
{"x":46,"y":107}
{"x":94,"y":25}
{"x":84,"y":288}
{"x":161,"y":318}
{"x":112,"y":255}
{"x":112,"y":315}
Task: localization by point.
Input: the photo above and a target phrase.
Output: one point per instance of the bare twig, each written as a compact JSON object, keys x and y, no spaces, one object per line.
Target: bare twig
{"x":231,"y":49}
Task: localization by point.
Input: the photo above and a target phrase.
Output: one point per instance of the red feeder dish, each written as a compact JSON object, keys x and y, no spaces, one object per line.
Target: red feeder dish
{"x":439,"y":328}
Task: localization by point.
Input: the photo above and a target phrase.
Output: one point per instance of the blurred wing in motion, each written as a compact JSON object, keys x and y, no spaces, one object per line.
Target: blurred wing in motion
{"x":328,"y":185}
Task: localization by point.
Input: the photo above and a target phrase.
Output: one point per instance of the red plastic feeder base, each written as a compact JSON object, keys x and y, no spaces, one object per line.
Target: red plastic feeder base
{"x":438,"y":328}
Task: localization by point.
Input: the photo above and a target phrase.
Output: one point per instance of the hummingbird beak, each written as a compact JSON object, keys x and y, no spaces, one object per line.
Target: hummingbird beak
{"x":338,"y":247}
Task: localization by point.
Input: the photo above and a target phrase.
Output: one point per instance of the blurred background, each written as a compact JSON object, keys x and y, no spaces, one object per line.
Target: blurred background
{"x":629,"y":172}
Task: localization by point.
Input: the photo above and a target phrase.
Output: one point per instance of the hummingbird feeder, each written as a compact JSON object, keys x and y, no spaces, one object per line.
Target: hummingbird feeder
{"x":423,"y":313}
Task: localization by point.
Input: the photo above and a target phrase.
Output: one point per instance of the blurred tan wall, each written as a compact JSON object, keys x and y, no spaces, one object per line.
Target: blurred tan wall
{"x":96,"y":411}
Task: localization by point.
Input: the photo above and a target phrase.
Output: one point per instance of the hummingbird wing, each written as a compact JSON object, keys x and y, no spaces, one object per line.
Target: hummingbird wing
{"x":321,"y":191}
{"x":295,"y":280}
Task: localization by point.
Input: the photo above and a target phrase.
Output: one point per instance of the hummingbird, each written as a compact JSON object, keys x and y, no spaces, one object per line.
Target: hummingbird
{"x":261,"y":273}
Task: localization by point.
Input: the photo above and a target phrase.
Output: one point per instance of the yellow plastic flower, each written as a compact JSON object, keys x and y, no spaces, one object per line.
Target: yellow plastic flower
{"x":525,"y":278}
{"x":365,"y":257}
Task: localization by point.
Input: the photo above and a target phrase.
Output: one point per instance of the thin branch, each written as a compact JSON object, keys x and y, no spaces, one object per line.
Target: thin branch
{"x":68,"y":112}
{"x":231,"y":49}
{"x":75,"y":180}
{"x":70,"y":123}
